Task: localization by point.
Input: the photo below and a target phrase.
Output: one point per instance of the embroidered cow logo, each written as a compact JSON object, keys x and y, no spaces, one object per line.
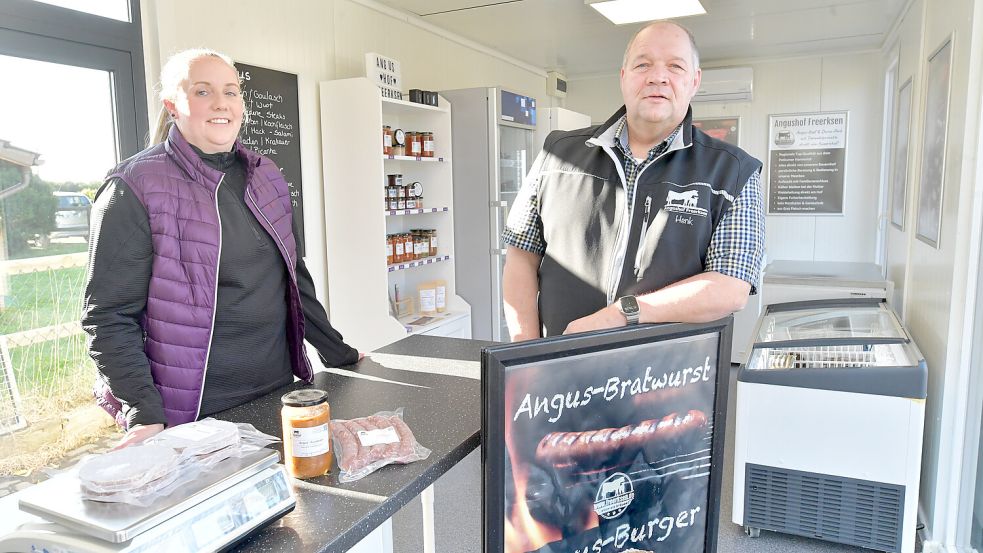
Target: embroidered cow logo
{"x":687,"y":198}
{"x":686,"y":202}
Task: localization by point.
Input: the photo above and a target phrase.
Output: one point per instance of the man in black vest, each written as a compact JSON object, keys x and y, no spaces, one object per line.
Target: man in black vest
{"x":641,"y":219}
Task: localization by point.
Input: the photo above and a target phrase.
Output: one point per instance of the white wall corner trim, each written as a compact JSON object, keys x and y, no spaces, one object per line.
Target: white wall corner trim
{"x":418,"y":21}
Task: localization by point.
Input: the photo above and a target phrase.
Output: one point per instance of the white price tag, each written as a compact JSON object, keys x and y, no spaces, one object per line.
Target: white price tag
{"x":379,"y":436}
{"x":193,"y":432}
{"x":310,"y":441}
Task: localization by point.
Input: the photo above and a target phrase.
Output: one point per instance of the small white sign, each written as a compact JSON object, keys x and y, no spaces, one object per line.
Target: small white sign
{"x":384,"y":72}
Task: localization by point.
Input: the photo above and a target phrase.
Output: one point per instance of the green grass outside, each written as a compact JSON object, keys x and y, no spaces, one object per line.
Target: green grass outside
{"x":54,"y":248}
{"x":53,"y":367}
{"x":42,"y":299}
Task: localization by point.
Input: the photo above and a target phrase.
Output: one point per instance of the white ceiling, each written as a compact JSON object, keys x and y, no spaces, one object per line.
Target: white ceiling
{"x":572,"y":37}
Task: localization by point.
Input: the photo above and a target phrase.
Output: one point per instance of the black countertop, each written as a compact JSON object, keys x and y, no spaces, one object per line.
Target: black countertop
{"x":443,"y":410}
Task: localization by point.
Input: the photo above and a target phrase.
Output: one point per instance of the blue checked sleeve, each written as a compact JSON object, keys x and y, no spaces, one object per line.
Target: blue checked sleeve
{"x":737,"y":245}
{"x":524,"y":228}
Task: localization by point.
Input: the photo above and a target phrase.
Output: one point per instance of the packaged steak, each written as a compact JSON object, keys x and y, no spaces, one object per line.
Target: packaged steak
{"x":366,"y":444}
{"x":127,"y":474}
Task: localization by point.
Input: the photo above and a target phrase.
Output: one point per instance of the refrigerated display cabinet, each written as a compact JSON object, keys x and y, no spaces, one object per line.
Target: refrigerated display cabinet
{"x":830,"y":411}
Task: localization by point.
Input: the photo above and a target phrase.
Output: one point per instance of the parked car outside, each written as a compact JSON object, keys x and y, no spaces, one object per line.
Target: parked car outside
{"x":71,"y":217}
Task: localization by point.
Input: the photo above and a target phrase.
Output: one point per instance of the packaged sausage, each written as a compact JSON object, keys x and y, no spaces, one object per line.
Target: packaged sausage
{"x":366,"y":444}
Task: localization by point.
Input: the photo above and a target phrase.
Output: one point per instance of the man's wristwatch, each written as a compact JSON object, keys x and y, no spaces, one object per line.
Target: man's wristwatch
{"x":629,"y":308}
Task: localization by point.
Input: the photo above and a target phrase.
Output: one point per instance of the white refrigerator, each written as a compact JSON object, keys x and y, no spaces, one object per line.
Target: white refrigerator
{"x":494,"y":134}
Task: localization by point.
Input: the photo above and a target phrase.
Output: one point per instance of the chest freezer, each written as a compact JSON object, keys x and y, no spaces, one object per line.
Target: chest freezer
{"x":787,"y":281}
{"x":828,"y":439}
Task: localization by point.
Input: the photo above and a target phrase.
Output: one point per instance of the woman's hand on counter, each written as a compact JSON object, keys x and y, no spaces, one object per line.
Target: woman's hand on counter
{"x":138,"y":434}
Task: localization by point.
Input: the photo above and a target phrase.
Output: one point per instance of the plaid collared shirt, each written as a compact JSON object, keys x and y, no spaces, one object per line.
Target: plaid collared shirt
{"x":736,"y":248}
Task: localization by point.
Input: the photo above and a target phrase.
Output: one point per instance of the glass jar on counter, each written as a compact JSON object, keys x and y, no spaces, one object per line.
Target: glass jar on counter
{"x":306,"y":435}
{"x":387,"y":140}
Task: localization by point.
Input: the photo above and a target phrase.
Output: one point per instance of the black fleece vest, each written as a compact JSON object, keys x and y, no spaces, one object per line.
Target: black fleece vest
{"x":679,"y":200}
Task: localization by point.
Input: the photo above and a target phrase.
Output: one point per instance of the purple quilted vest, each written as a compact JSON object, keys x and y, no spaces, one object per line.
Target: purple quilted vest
{"x":179,"y":192}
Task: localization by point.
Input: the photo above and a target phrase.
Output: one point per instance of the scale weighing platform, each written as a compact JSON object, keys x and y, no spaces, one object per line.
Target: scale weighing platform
{"x":216,"y":510}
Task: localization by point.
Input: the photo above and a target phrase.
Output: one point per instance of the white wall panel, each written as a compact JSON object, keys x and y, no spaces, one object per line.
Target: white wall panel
{"x":427,"y":61}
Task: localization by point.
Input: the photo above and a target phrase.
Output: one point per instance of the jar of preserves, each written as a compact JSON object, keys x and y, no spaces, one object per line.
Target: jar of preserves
{"x":411,"y":202}
{"x":306,"y":434}
{"x":422,"y":244}
{"x":387,"y":140}
{"x":433,"y":242}
{"x":399,"y":142}
{"x":399,"y":251}
{"x":389,"y":249}
{"x":414,"y":144}
{"x":428,"y":144}
{"x":408,"y":254}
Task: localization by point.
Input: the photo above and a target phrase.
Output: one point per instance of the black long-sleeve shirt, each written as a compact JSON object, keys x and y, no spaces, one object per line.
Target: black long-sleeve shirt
{"x":249,"y":353}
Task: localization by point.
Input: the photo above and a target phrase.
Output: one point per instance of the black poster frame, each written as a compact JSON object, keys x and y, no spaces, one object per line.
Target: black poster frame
{"x":496,"y":360}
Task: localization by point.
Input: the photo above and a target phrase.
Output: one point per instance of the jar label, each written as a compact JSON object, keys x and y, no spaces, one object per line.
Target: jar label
{"x":379,"y":436}
{"x":389,"y":249}
{"x":441,"y":297}
{"x":310,"y":441}
{"x":433,"y":241}
{"x":416,"y":147}
{"x":399,"y":249}
{"x":389,"y":141}
{"x":428,"y":145}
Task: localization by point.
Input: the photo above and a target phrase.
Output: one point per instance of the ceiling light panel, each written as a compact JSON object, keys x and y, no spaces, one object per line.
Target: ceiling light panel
{"x":622,"y":12}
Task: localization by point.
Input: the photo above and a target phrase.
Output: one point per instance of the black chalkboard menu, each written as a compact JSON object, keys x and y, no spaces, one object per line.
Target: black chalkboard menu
{"x":605,"y":442}
{"x":272,"y":128}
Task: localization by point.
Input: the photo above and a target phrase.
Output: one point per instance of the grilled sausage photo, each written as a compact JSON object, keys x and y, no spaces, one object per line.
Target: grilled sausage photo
{"x":655,"y":439}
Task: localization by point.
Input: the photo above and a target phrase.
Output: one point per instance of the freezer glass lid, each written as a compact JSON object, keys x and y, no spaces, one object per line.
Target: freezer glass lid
{"x":831,"y":357}
{"x":823,"y":324}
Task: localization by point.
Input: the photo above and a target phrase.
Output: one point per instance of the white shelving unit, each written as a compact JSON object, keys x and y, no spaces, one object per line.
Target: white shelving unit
{"x":360,"y":282}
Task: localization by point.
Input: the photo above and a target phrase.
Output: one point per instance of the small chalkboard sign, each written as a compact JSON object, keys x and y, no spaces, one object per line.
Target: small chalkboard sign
{"x":272,"y":128}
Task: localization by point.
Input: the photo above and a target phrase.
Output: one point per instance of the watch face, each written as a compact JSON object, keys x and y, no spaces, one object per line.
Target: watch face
{"x":628,"y":304}
{"x":399,"y":137}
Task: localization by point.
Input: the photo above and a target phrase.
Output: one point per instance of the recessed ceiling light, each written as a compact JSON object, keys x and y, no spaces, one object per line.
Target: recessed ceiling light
{"x":621,"y":12}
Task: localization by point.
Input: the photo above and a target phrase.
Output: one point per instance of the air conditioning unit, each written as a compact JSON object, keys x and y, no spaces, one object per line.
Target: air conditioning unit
{"x":729,"y":84}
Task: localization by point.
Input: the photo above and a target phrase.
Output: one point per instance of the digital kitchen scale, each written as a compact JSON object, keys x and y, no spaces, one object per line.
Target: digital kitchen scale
{"x":217,"y":509}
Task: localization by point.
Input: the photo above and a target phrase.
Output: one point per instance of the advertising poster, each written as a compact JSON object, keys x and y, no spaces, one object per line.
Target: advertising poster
{"x":929,"y":220}
{"x":899,"y":175}
{"x":610,"y":451}
{"x":806,"y":163}
{"x":727,"y":129}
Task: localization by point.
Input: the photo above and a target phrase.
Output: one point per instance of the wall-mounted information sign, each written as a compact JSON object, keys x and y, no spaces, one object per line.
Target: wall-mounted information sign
{"x":605,"y":442}
{"x":806,"y":163}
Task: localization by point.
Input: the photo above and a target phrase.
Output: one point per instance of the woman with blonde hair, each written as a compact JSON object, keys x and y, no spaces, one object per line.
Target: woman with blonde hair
{"x":196,"y":300}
